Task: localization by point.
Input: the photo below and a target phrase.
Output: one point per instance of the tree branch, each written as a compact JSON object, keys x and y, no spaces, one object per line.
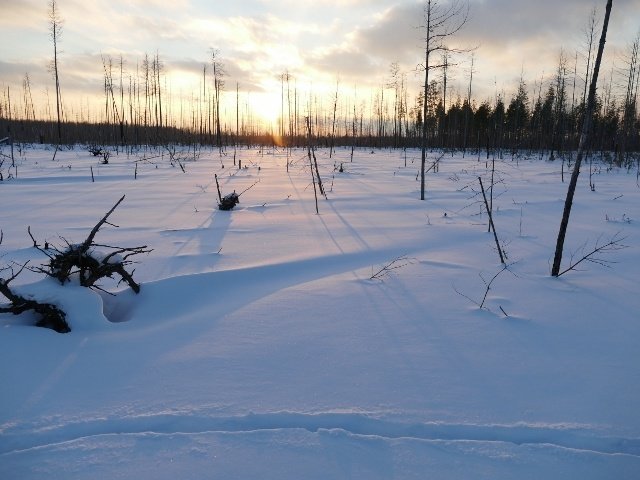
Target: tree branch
{"x":611,"y":246}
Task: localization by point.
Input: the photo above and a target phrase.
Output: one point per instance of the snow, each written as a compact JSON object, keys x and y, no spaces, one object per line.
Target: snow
{"x":259,"y":346}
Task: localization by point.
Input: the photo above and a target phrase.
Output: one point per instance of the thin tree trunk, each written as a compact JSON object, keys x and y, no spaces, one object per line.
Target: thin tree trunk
{"x":313,"y":180}
{"x":586,"y":129}
{"x":423,"y":140}
{"x":333,"y":124}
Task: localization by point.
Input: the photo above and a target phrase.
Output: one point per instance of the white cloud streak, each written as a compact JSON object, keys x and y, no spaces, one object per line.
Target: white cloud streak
{"x":318,"y":42}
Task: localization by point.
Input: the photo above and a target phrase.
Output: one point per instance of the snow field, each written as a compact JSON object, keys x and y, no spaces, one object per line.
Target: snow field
{"x":259,"y":347}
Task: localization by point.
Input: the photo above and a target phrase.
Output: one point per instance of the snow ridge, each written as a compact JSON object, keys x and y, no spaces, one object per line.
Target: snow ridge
{"x":357,"y":425}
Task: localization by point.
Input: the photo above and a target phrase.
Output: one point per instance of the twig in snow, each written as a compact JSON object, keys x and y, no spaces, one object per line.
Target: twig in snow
{"x":394,"y":264}
{"x":488,"y":284}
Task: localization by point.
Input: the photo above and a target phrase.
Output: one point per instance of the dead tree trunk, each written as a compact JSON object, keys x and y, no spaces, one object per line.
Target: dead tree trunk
{"x":584,"y":137}
{"x":492,"y":227}
{"x":309,"y":148}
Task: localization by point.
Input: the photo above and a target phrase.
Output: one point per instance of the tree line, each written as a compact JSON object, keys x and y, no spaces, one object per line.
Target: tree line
{"x":544,"y":117}
{"x":549,"y":122}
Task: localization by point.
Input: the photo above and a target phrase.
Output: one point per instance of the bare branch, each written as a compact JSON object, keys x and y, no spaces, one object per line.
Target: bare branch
{"x":612,"y":245}
{"x":89,"y":239}
{"x":488,"y":284}
{"x":487,"y":287}
{"x":495,"y":235}
{"x":394,"y":264}
{"x":35,"y":244}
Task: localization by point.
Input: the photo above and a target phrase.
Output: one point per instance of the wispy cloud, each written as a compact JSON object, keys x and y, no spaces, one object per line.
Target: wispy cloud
{"x":355,"y":40}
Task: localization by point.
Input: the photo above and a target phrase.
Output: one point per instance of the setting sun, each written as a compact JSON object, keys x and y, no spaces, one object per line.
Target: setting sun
{"x":266,"y":106}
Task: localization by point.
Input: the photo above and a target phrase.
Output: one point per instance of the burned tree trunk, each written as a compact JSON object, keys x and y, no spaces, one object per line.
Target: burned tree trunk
{"x":586,"y":130}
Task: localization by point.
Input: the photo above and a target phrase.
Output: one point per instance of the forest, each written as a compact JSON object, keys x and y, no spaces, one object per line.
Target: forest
{"x":541,"y":117}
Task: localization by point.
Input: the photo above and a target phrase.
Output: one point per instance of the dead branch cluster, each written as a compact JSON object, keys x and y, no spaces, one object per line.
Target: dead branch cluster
{"x":97,"y":151}
{"x":86,"y":262}
{"x":90,"y":261}
{"x":50,"y":316}
{"x":175,"y":158}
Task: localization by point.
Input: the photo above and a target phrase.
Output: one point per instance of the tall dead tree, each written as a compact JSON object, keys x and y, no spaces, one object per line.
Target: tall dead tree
{"x":467,"y":110}
{"x":309,"y":150}
{"x":157,"y":67}
{"x":107,"y":64}
{"x":55,"y":31}
{"x":589,"y":40}
{"x":394,"y":83}
{"x":584,"y":137}
{"x":333,"y":123}
{"x":441,"y":22}
{"x":29,"y":109}
{"x":557,"y":133}
{"x":290,"y":126}
{"x":629,"y":106}
{"x":218,"y":85}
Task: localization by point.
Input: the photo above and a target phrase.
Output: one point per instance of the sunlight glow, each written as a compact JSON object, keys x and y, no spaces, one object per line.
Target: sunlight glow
{"x":267,"y":106}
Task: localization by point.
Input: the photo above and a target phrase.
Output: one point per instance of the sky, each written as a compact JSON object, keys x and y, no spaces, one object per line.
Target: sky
{"x":322,"y":44}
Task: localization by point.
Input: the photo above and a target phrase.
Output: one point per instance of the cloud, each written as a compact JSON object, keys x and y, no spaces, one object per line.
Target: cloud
{"x":350,"y":66}
{"x":549,"y":22}
{"x":395,"y":36}
{"x":17,"y":70}
{"x":16,"y":11}
{"x":317,"y":42}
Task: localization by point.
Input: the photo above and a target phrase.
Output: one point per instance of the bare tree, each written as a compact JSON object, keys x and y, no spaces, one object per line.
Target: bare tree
{"x":442,"y":20}
{"x":467,"y":110}
{"x":560,"y":105}
{"x":333,"y":123}
{"x":29,"y":109}
{"x":590,"y":38}
{"x":55,"y":31}
{"x":309,"y":150}
{"x":157,"y":68}
{"x":218,"y":85}
{"x":629,"y":107}
{"x":107,"y":64}
{"x":584,"y":137}
{"x":396,"y":84}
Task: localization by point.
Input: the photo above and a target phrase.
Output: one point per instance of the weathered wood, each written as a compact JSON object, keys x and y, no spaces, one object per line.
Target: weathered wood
{"x":495,"y":235}
{"x":584,"y":136}
{"x":80,"y":259}
{"x":50,"y":315}
{"x":89,"y":240}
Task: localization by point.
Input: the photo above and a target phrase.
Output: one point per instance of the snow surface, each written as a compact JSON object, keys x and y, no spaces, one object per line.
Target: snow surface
{"x":259,"y":347}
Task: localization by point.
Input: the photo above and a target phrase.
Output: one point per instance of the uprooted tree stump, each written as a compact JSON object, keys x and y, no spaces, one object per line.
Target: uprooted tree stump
{"x":230,"y":200}
{"x":86,"y":263}
{"x":90,"y":264}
